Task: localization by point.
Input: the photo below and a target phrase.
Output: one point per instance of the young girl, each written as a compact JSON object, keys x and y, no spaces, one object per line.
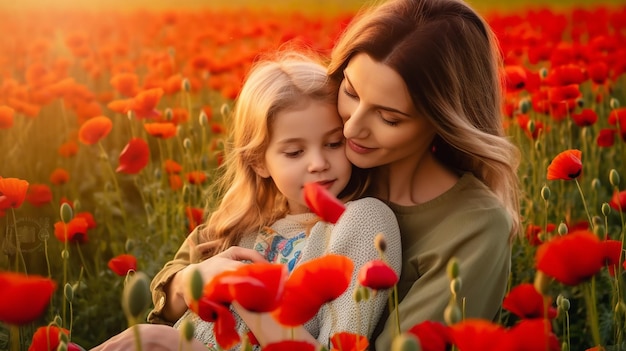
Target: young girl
{"x":285,"y":132}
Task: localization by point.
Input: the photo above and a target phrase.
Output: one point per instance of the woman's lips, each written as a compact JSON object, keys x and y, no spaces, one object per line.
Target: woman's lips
{"x":358,"y":148}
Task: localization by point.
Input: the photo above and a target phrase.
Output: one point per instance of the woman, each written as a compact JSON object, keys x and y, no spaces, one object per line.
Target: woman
{"x":420,"y":97}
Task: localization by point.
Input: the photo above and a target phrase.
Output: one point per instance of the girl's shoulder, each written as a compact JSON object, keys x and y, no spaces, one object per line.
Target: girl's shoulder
{"x":368,"y":209}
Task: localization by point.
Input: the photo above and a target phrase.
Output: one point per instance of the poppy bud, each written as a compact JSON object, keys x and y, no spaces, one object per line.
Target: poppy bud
{"x":129,"y":245}
{"x":130,"y":114}
{"x":564,"y":346}
{"x":65,"y":254}
{"x":452,"y":314}
{"x":596,"y":184}
{"x":620,"y":309}
{"x":136,"y":296}
{"x":530,"y":126}
{"x":614,"y":178}
{"x":377,"y":275}
{"x":68,"y":292}
{"x":545,"y":193}
{"x":543,"y":72}
{"x":562,"y":228}
{"x":63,"y":338}
{"x":169,"y":114}
{"x":614,"y":103}
{"x":186,"y":85}
{"x":187,"y":144}
{"x":380,"y":243}
{"x":187,"y":329}
{"x":203,"y":119}
{"x":357,"y":295}
{"x":405,"y":342}
{"x":564,"y":304}
{"x":453,"y":268}
{"x":538,"y":145}
{"x":524,"y":106}
{"x":196,"y":285}
{"x":67,"y":214}
{"x":225,"y":109}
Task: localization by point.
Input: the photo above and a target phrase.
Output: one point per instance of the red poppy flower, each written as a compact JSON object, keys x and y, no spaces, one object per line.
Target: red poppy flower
{"x":612,"y":253}
{"x":23,"y":298}
{"x":533,"y":232}
{"x":12,"y":192}
{"x":257,"y":287}
{"x":618,"y":201}
{"x":145,"y":103}
{"x":76,"y":230}
{"x":477,"y":335}
{"x":195,"y":216}
{"x":122,"y":264}
{"x":345,"y":341}
{"x":618,"y":116}
{"x":433,"y":336}
{"x":134,"y":157}
{"x":88,"y":217}
{"x":68,"y":149}
{"x":125,"y":83}
{"x":172,"y":167}
{"x":566,"y":75}
{"x":572,"y":258}
{"x":606,"y":137}
{"x":323,"y":203}
{"x":196,"y":177}
{"x":307,"y":288}
{"x":515,"y":78}
{"x":39,"y":195}
{"x":7,"y":116}
{"x":59,"y":176}
{"x":290,"y":345}
{"x":162,"y":130}
{"x":224,"y":326}
{"x":525,"y":302}
{"x":586,"y":117}
{"x":94,"y":129}
{"x":531,"y":334}
{"x":377,"y":275}
{"x":121,"y":106}
{"x":46,"y":338}
{"x":523,"y":121}
{"x":175,"y":181}
{"x":598,"y":72}
{"x":566,"y":166}
{"x":564,"y":93}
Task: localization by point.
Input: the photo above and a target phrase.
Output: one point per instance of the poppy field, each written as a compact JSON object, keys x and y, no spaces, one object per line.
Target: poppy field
{"x":111,"y":134}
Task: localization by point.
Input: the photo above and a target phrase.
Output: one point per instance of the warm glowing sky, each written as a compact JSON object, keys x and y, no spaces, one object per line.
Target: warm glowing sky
{"x":314,"y":5}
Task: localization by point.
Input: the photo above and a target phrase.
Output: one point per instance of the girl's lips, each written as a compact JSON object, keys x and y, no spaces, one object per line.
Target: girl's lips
{"x":358,"y":148}
{"x":327,"y":183}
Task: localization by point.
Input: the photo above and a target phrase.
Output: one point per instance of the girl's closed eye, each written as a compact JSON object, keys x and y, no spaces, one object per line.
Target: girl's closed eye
{"x":336,"y":144}
{"x":292,"y":154}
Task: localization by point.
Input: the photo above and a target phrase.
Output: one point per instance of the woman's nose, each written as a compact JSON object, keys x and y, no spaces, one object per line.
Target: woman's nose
{"x":353,"y":127}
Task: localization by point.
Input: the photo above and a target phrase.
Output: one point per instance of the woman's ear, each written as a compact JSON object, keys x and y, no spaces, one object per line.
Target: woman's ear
{"x":261,"y":170}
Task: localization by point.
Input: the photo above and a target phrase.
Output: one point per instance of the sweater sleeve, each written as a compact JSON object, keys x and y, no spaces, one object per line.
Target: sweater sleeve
{"x":478,"y":239}
{"x":353,"y":236}
{"x":164,"y":276}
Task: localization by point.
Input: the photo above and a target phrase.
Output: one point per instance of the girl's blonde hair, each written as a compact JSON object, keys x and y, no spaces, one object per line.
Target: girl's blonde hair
{"x":449,"y":59}
{"x":285,"y":81}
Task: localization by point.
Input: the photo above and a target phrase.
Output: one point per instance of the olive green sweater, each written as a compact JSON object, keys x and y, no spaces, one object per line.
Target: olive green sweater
{"x":467,"y":222}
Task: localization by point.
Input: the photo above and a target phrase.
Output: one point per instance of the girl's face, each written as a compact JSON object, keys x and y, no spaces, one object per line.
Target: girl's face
{"x":381,"y":124}
{"x":306,"y":145}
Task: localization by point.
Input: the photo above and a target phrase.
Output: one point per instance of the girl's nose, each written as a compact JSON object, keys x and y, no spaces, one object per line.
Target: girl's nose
{"x":318,"y":162}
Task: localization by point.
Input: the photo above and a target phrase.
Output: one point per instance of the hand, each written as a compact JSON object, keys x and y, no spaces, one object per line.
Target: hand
{"x":228,"y":260}
{"x":154,"y":337}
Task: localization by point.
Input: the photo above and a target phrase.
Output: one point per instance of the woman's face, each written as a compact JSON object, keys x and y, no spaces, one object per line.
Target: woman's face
{"x":381,"y":124}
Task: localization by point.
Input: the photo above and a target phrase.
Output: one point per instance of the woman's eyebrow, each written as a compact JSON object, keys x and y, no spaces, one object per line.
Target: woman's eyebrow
{"x":382,"y":107}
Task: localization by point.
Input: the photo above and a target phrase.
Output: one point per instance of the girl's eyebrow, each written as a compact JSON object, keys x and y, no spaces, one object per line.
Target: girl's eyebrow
{"x":295,"y":140}
{"x":382,"y":107}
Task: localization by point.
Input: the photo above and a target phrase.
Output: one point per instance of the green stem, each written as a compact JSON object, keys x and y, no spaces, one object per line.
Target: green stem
{"x":592,"y":311}
{"x":19,"y":258}
{"x":395,"y":301}
{"x":14,"y":336}
{"x":582,"y":195}
{"x":137,"y":338}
